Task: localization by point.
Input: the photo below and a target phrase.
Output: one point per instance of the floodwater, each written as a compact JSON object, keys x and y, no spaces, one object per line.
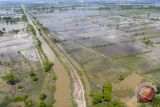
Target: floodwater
{"x":93,"y":37}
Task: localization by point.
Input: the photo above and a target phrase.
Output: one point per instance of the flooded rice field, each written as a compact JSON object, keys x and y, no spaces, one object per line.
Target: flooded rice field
{"x":106,"y":44}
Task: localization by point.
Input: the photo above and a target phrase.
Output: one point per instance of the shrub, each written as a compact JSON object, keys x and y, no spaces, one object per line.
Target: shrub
{"x":47,"y":65}
{"x":54,"y":77}
{"x":142,"y":105}
{"x":32,"y":74}
{"x":117,"y":103}
{"x":34,"y":78}
{"x":41,"y":104}
{"x":42,"y":96}
{"x":97,"y":97}
{"x":28,"y":102}
{"x":20,"y":87}
{"x":121,"y":77}
{"x":20,"y":98}
{"x":9,"y":78}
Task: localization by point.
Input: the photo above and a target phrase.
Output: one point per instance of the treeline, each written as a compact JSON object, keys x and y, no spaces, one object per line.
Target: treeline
{"x":13,"y":20}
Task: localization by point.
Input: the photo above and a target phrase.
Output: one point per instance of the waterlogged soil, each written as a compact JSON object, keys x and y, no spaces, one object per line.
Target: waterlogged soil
{"x":106,"y":45}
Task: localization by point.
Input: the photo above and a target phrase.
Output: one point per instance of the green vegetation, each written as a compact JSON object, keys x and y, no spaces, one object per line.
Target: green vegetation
{"x":20,"y":98}
{"x":1,"y":32}
{"x":107,"y":90}
{"x":28,"y":102}
{"x":153,"y":70}
{"x":54,"y":77}
{"x":42,"y":96}
{"x":122,"y":77}
{"x":31,"y":29}
{"x":33,"y":76}
{"x":142,"y":105}
{"x":56,"y":40}
{"x":97,"y":97}
{"x":39,"y":43}
{"x":156,"y":101}
{"x":115,"y":103}
{"x":15,"y":31}
{"x":47,"y":65}
{"x":24,"y":18}
{"x":20,"y":87}
{"x":104,"y":8}
{"x":10,"y":78}
{"x":147,"y":41}
{"x":43,"y":104}
{"x":45,"y":29}
{"x":11,"y":19}
{"x":104,"y":98}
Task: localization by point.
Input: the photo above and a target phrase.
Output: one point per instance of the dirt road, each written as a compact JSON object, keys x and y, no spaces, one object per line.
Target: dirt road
{"x":63,"y":91}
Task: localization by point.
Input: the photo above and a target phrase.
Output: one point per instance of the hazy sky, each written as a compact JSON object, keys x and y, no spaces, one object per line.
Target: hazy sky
{"x":86,"y":0}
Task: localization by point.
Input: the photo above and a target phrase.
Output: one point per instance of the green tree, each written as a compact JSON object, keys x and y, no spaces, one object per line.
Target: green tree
{"x":97,"y":97}
{"x":107,"y":90}
{"x":47,"y":65}
{"x":42,"y":96}
{"x":41,"y":104}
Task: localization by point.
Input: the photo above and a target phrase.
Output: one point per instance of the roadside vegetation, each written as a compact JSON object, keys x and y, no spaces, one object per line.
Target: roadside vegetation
{"x":31,"y":29}
{"x":47,"y":65}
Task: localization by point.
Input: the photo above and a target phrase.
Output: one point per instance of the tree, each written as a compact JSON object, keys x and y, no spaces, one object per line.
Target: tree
{"x":42,"y":96}
{"x":107,"y":90}
{"x":97,"y":97}
{"x":47,"y":65}
{"x":41,"y":104}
